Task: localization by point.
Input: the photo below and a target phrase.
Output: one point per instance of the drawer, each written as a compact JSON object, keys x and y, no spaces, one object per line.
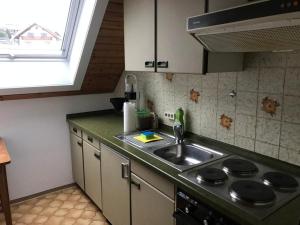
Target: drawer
{"x":156,"y":180}
{"x":75,"y":130}
{"x":91,"y":140}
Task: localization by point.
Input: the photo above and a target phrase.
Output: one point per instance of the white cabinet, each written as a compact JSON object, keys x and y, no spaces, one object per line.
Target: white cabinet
{"x":77,"y":160}
{"x":149,"y":206}
{"x":160,"y":43}
{"x":175,"y":46}
{"x":115,"y":186}
{"x":92,"y":172}
{"x":156,"y":39}
{"x":139,"y":35}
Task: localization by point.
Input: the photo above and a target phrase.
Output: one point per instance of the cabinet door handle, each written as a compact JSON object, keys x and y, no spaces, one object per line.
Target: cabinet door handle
{"x":162,"y":64}
{"x":97,"y":156}
{"x":138,"y":185}
{"x":125,"y":170}
{"x":75,"y":130}
{"x":149,"y":64}
{"x":79,"y":143}
{"x":90,"y":139}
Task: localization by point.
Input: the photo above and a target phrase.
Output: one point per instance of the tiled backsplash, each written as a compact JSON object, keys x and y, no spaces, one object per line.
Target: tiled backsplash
{"x":272,"y":75}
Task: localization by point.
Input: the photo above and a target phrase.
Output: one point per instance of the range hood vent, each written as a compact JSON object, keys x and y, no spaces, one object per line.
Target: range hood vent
{"x":272,"y":25}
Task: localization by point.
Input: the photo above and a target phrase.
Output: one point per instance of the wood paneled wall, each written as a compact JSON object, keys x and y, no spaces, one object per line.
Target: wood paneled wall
{"x":107,"y":60}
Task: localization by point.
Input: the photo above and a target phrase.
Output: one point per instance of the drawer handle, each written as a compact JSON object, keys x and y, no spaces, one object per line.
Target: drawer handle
{"x":97,"y":156}
{"x":138,"y":185}
{"x":75,"y":130}
{"x":125,"y":170}
{"x":149,"y":64}
{"x":163,"y":64}
{"x":79,"y":143}
{"x":90,"y":139}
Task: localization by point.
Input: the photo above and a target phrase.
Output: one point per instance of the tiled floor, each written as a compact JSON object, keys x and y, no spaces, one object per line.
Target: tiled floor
{"x":65,"y":207}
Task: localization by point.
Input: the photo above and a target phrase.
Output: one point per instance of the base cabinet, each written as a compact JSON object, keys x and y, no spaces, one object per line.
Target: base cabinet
{"x":92,"y":173}
{"x":115,"y":186}
{"x":149,"y":206}
{"x":77,"y":160}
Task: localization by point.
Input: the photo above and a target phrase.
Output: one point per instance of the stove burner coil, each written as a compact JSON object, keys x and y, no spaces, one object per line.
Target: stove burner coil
{"x":252,"y":193}
{"x":239,"y":167}
{"x":280,"y":181}
{"x":212,"y":176}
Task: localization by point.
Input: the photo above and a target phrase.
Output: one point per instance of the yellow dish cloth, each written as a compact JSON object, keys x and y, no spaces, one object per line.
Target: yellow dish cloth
{"x":144,"y":140}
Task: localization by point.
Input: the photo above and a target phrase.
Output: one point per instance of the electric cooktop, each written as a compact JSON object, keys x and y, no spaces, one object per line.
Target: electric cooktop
{"x":255,"y":188}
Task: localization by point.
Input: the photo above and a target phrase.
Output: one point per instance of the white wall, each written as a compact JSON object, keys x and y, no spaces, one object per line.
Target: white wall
{"x":36,"y":134}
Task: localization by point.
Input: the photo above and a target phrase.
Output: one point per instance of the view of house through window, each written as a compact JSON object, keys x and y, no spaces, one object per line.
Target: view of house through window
{"x":36,"y":27}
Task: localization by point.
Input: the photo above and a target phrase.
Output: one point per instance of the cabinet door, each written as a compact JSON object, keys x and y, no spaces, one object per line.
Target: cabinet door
{"x":92,"y":173}
{"x":115,"y":187}
{"x":77,"y":160}
{"x":139,"y":34}
{"x":148,"y":205}
{"x":174,"y":45}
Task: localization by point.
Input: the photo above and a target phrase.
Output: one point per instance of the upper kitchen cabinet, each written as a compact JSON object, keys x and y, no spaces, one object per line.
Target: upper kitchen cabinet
{"x":139,"y":29}
{"x":156,"y":39}
{"x":177,"y":51}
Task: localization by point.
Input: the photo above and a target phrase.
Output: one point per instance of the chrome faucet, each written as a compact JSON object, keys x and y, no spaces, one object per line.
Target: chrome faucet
{"x":178,"y":132}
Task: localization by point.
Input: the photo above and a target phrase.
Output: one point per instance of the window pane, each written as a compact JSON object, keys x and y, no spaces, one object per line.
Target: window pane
{"x":33,"y":26}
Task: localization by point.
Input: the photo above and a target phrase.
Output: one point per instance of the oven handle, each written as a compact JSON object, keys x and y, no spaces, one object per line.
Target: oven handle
{"x":184,"y":219}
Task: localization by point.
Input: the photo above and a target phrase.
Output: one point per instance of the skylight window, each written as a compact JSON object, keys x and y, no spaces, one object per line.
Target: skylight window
{"x":37,"y":28}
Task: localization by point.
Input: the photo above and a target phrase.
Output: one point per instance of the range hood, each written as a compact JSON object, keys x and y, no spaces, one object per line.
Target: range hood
{"x":261,"y":26}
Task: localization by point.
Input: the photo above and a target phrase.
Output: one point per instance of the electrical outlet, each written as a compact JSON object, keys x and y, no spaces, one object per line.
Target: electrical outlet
{"x":170,"y":116}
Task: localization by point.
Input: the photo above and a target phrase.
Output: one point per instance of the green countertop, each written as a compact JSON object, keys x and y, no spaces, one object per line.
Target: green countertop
{"x":106,"y":124}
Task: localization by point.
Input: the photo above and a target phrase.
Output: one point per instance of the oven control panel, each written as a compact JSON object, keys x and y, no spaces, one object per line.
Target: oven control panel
{"x":191,"y":211}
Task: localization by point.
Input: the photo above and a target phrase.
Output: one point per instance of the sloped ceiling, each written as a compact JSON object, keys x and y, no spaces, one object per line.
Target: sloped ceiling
{"x":107,"y":61}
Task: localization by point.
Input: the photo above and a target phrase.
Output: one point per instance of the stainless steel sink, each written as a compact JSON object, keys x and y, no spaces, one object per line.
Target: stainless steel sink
{"x":180,"y":156}
{"x":186,"y":155}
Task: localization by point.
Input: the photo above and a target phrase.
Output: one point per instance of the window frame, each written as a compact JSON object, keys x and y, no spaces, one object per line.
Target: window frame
{"x":60,"y":55}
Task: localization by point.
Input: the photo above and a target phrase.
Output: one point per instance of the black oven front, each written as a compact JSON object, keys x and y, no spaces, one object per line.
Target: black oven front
{"x":191,"y":211}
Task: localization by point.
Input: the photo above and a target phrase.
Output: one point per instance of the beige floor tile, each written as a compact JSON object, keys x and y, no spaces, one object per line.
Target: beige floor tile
{"x":74,"y":213}
{"x":68,"y":191}
{"x":65,"y":207}
{"x":99,"y":217}
{"x":74,"y":197}
{"x":84,"y":199}
{"x":23,"y":208}
{"x":68,"y":221}
{"x":56,"y":203}
{"x":98,"y":223}
{"x":36,"y":210}
{"x":54,"y":220}
{"x":48,"y":211}
{"x":27,"y":219}
{"x":81,"y":205}
{"x":91,"y":207}
{"x":43,"y":202}
{"x":81,"y":221}
{"x":68,"y":205}
{"x":15,"y":215}
{"x":61,"y":212}
{"x":62,"y":196}
{"x":41,"y":219}
{"x":88,"y":214}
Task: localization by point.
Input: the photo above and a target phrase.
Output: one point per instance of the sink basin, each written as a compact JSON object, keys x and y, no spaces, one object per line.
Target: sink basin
{"x":180,"y":156}
{"x":184,"y":154}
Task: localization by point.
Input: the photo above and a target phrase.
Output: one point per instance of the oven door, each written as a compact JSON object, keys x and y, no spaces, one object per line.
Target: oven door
{"x":185,"y":219}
